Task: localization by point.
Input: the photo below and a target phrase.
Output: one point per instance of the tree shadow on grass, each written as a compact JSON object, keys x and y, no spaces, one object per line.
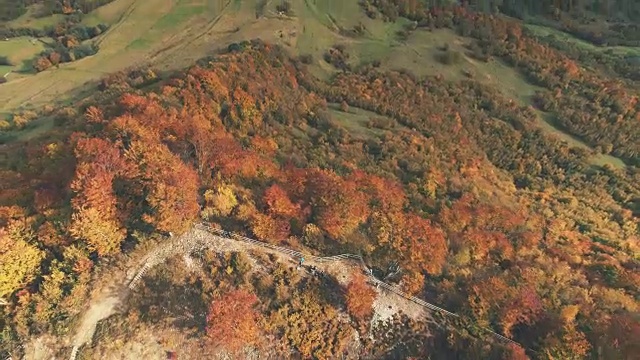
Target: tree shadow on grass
{"x":27,"y":66}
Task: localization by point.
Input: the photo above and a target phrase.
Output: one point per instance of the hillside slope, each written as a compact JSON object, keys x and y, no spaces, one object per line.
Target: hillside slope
{"x":445,"y":183}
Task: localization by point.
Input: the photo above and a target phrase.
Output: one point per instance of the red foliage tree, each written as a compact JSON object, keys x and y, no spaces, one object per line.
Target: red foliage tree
{"x":524,"y":308}
{"x":514,"y":352}
{"x":55,"y":58}
{"x":42,"y":63}
{"x":294,"y":180}
{"x":620,"y":340}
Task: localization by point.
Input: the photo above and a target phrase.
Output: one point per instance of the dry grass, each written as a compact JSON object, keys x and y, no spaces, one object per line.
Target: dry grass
{"x":356,"y":120}
{"x":28,"y":20}
{"x":109,"y":13}
{"x":172,"y":34}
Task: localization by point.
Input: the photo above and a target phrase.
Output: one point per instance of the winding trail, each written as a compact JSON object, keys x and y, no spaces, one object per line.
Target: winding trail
{"x":202,"y":237}
{"x":97,"y":311}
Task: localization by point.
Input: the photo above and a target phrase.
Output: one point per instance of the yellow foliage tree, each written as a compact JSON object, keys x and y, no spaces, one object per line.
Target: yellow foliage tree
{"x":568,"y":314}
{"x":50,"y":295}
{"x":219,"y":202}
{"x":100,"y":233}
{"x":20,"y":261}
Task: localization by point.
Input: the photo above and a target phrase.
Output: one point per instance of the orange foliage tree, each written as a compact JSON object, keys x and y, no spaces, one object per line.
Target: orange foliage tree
{"x":421,"y":247}
{"x":279,"y":203}
{"x":233,"y":322}
{"x":269,"y":228}
{"x":384,"y":194}
{"x":359,"y":297}
{"x":288,"y":214}
{"x":170,"y":185}
{"x":172,"y":190}
{"x":95,"y":217}
{"x":338,"y":206}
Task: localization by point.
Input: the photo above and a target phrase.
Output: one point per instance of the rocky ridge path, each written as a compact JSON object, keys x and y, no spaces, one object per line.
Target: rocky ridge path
{"x":202,"y":237}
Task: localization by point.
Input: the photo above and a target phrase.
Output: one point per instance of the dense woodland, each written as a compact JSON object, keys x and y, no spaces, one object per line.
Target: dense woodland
{"x":601,"y":22}
{"x":599,"y":109}
{"x":485,"y":214}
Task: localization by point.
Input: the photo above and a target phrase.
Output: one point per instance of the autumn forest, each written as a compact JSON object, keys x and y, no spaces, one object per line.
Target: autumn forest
{"x":453,"y":181}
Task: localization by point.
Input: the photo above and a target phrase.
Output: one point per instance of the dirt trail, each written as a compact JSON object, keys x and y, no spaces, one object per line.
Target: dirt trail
{"x":108,"y":302}
{"x":203,"y":237}
{"x":99,"y":310}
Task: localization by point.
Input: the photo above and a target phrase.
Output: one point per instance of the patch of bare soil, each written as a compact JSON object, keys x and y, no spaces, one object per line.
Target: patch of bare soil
{"x":143,"y":345}
{"x":41,"y":348}
{"x":99,"y":310}
{"x":387,"y":304}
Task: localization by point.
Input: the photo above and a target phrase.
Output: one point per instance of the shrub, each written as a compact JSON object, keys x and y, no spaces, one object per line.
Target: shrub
{"x":235,"y":47}
{"x":337,"y":56}
{"x":260,"y":6}
{"x":403,"y":34}
{"x":306,"y":59}
{"x":55,"y":58}
{"x":42,"y":63}
{"x":85,"y":50}
{"x":284,"y":7}
{"x":450,"y":57}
